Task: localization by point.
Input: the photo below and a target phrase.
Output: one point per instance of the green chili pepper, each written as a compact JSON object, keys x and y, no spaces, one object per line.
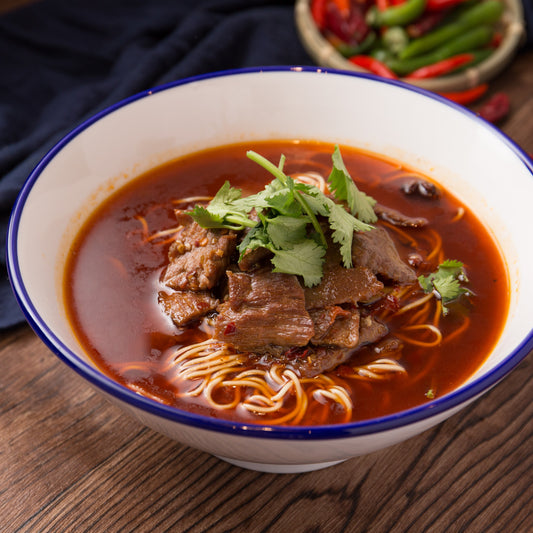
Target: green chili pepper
{"x":381,"y":54}
{"x":399,"y":15}
{"x":479,"y":56}
{"x":468,"y":41}
{"x":348,"y":50}
{"x":487,"y":12}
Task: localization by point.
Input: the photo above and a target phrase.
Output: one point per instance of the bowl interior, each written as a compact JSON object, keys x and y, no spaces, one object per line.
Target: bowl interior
{"x":463,"y":153}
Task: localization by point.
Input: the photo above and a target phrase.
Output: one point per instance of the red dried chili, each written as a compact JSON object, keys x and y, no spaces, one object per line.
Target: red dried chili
{"x":382,"y":4}
{"x":318,"y":12}
{"x":496,"y":108}
{"x":424,"y":24}
{"x":373,"y":65}
{"x":439,"y":5}
{"x":468,"y":96}
{"x":230,"y":329}
{"x":440,"y":68}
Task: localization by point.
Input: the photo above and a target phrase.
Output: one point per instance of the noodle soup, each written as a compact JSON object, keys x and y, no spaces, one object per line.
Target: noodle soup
{"x":396,"y":345}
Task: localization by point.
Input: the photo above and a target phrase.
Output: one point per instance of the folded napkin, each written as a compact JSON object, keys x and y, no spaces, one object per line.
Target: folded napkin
{"x":64,"y":60}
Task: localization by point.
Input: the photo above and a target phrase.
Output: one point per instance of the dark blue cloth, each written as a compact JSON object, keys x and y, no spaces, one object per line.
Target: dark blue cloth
{"x":63,"y":60}
{"x":528,"y":17}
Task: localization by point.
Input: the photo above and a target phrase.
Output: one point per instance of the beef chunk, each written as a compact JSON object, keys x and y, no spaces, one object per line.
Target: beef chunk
{"x":371,"y":330}
{"x":315,"y":360}
{"x":266,"y":308}
{"x":184,"y":307}
{"x":198,"y":257}
{"x":335,"y":326}
{"x":397,"y":218}
{"x":341,"y":285}
{"x":422,"y":188}
{"x":375,"y":250}
{"x":253,"y":258}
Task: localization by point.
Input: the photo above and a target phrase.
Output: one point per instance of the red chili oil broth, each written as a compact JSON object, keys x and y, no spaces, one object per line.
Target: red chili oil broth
{"x":111,"y":278}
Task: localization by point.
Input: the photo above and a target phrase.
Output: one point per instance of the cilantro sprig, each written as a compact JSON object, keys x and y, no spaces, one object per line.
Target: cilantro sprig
{"x":361,"y":205}
{"x":287,"y":221}
{"x":445,"y":282}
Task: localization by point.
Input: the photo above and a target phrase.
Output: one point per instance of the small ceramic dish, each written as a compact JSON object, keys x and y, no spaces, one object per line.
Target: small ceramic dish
{"x":512,"y":30}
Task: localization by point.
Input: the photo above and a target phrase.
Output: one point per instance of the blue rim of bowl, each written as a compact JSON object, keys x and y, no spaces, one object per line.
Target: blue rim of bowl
{"x":450,"y":401}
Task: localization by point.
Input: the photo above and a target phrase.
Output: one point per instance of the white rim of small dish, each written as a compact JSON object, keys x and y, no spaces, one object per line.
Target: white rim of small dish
{"x":365,"y":427}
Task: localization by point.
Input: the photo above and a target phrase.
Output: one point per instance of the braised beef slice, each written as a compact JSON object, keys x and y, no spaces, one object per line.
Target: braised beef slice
{"x":266,"y":308}
{"x":254,"y":258}
{"x":371,"y":330}
{"x":397,"y":218}
{"x":185,"y":307}
{"x":375,"y":250}
{"x":341,"y":285}
{"x":335,"y":326}
{"x":422,"y":188}
{"x":317,"y":360}
{"x":198,"y":257}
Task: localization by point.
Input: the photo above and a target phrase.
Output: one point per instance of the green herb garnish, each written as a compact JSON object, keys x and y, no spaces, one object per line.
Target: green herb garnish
{"x":445,"y":282}
{"x":224,"y":211}
{"x":287,"y":211}
{"x":342,"y":185}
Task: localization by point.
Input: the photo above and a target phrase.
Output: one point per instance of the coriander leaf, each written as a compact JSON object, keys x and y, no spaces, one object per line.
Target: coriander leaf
{"x":448,"y":287}
{"x":340,"y":182}
{"x":278,"y":174}
{"x":223,"y":211}
{"x":226,"y":195}
{"x":256,"y":238}
{"x":445,"y":282}
{"x":205,"y":218}
{"x":342,"y":224}
{"x":285,"y":232}
{"x":426,"y":283}
{"x":288,"y":225}
{"x":315,"y":199}
{"x":303,"y":259}
{"x":454,"y":268}
{"x":276,"y":171}
{"x":282,"y":200}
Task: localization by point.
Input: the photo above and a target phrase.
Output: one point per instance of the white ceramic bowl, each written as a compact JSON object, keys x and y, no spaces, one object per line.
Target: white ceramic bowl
{"x":462,"y":152}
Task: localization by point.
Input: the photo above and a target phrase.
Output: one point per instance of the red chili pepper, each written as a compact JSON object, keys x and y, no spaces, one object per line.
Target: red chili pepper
{"x":344,"y":7}
{"x":439,"y":5}
{"x":397,"y":2}
{"x":468,"y":96}
{"x":352,"y":29}
{"x":373,"y":65}
{"x":318,"y":12}
{"x":496,"y":39}
{"x":441,"y":67}
{"x":230,"y":329}
{"x":382,"y":4}
{"x":424,"y":24}
{"x":496,"y":108}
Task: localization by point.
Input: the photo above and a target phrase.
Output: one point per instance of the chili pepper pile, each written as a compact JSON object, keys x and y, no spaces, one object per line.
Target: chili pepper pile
{"x":413,"y":39}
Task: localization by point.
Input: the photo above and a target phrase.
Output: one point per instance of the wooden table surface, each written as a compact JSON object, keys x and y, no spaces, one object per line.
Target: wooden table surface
{"x":72,"y":462}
